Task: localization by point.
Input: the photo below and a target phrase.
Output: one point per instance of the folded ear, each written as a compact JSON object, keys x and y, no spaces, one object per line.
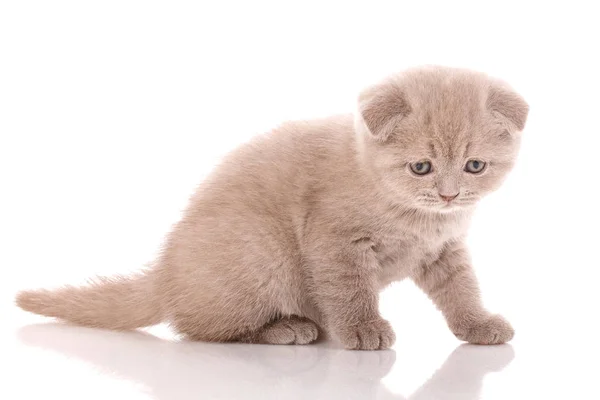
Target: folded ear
{"x":506,"y":102}
{"x":381,"y":107}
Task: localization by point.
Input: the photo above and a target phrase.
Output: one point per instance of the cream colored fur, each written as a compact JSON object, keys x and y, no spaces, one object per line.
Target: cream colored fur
{"x":296,"y":232}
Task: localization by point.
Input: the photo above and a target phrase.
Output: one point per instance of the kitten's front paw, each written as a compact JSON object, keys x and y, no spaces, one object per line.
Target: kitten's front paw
{"x":371,"y":335}
{"x":491,"y":330}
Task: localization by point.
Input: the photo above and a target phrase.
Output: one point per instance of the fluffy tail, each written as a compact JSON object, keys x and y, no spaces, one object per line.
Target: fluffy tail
{"x":119,"y":303}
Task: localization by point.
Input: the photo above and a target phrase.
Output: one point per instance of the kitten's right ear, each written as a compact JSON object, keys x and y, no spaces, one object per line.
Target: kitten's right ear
{"x":380,"y":109}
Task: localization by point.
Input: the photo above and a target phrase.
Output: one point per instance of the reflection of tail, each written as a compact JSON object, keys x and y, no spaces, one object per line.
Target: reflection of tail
{"x":119,"y":303}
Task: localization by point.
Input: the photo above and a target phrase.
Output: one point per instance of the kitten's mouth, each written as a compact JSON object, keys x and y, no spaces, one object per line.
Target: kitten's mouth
{"x":453,"y":206}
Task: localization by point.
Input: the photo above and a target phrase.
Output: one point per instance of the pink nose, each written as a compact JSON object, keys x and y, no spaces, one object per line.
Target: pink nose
{"x":448,"y":198}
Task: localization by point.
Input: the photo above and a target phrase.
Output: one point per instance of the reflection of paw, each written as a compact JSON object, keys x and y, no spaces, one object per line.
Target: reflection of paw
{"x":287,"y":359}
{"x":372,"y":335}
{"x":480,"y":359}
{"x":493,"y":329}
{"x":365,"y":364}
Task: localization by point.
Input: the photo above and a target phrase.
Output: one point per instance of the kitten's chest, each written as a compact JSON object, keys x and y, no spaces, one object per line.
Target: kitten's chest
{"x":404,"y":250}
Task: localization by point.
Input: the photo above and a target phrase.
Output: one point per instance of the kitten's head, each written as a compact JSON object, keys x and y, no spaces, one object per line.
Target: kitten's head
{"x":439,"y":138}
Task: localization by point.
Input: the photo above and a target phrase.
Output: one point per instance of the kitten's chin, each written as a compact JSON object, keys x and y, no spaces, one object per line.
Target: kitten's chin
{"x":456,"y":208}
{"x":443,"y":208}
{"x":448,"y":209}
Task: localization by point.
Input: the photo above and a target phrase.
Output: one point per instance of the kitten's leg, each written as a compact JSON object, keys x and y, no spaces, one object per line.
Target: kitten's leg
{"x":346,"y":292}
{"x":288,"y":330}
{"x":451,"y":283}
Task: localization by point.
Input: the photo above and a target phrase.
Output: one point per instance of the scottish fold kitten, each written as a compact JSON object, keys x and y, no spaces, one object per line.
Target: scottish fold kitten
{"x":296,"y":232}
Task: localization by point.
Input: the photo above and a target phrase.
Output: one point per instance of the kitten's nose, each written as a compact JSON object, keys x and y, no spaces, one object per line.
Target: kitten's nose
{"x":448,"y":198}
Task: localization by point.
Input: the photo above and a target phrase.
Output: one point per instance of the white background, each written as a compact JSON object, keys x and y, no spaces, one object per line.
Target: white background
{"x":111,"y":112}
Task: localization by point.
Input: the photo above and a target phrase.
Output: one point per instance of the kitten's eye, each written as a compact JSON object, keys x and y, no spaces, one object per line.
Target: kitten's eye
{"x":421,"y":167}
{"x":474,"y":166}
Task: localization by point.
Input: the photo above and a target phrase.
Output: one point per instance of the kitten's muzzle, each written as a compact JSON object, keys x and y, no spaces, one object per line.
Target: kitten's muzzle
{"x":448,"y":198}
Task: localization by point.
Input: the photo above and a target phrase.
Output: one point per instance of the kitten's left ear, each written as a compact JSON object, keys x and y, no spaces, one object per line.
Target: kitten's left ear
{"x":508,"y":103}
{"x":380,"y":109}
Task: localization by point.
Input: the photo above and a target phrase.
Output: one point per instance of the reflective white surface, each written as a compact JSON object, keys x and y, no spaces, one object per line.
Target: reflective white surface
{"x":53,"y":360}
{"x":168,"y":370}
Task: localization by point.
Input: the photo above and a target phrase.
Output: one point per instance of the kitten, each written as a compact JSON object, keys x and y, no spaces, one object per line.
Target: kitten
{"x":297,"y":231}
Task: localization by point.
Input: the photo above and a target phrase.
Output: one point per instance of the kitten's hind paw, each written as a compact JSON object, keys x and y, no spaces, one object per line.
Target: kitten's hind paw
{"x":290,"y":330}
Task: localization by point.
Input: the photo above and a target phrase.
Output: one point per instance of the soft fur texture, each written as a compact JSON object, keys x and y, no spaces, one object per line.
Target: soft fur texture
{"x":295,"y":234}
